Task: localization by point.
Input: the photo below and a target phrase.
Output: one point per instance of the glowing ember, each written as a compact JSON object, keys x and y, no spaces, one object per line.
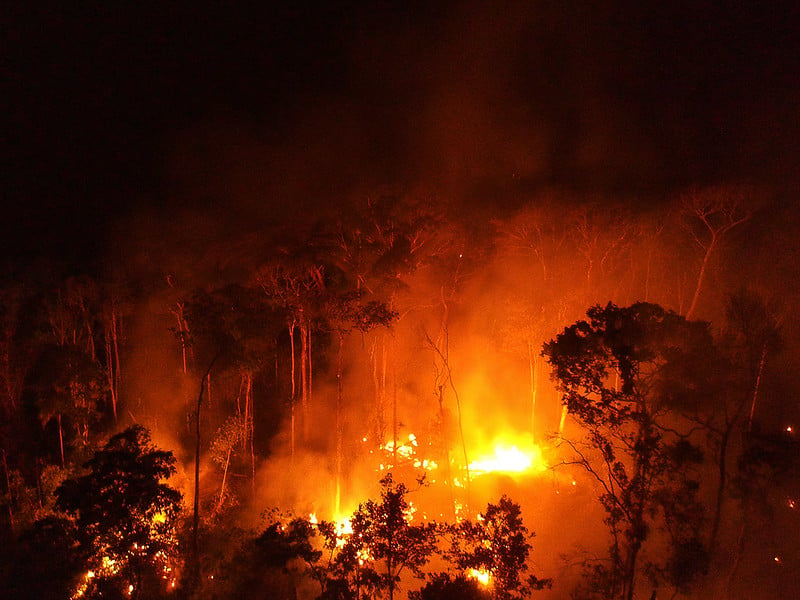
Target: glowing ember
{"x":481,"y":577}
{"x":509,"y":459}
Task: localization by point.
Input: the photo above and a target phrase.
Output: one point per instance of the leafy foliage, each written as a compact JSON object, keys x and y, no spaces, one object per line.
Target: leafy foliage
{"x":614,"y":371}
{"x":443,"y":586}
{"x":383,"y":544}
{"x":125,"y":516}
{"x":498,"y":543}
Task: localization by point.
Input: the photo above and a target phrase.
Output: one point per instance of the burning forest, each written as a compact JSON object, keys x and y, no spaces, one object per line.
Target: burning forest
{"x":401,"y":301}
{"x":394,"y":402}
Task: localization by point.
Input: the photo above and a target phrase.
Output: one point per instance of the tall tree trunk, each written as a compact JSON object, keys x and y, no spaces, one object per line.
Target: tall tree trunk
{"x":722,"y":476}
{"x":194,"y":580}
{"x":293,"y":395}
{"x":304,"y":376}
{"x":563,"y":420}
{"x":534,"y":374}
{"x":630,"y":571}
{"x":110,"y":373}
{"x":756,"y":387}
{"x":395,"y":423}
{"x":224,"y":479}
{"x":737,"y":559}
{"x":61,"y":440}
{"x":252,"y":426}
{"x":115,"y":339}
{"x":701,"y":276}
{"x":448,"y":468}
{"x":9,"y":503}
{"x":339,"y":433}
{"x":444,"y":356}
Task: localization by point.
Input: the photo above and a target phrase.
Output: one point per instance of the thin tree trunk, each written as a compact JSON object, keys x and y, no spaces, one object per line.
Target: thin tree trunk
{"x":534,"y":373}
{"x":89,"y":332}
{"x":373,"y":356}
{"x":246,"y":417}
{"x":722,"y":476}
{"x":756,"y":387}
{"x":61,"y":441}
{"x":293,"y":396}
{"x":562,"y":421}
{"x":736,"y":560}
{"x":448,"y":469}
{"x":304,"y":376}
{"x":444,"y":356}
{"x":110,"y":376}
{"x":183,"y":339}
{"x":224,"y":479}
{"x":252,"y":431}
{"x":195,"y":567}
{"x":338,"y":498}
{"x":630,"y":575}
{"x":395,"y":431}
{"x":115,"y":339}
{"x":701,"y":276}
{"x":9,"y":504}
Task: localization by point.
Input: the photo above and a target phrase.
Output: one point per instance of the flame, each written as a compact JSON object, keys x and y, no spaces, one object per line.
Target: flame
{"x":509,"y":459}
{"x":480,"y":576}
{"x":344,"y":526}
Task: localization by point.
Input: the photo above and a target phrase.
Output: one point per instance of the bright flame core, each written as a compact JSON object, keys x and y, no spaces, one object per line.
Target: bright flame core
{"x":509,"y":459}
{"x":480,"y":576}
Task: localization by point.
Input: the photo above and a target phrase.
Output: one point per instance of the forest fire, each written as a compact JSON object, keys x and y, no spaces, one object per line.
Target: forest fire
{"x":392,"y":418}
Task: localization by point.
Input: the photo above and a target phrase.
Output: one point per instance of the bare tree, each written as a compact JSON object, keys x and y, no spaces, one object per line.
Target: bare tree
{"x":710,"y":213}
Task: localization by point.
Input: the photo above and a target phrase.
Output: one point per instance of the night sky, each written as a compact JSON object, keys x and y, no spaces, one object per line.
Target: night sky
{"x":120,"y":106}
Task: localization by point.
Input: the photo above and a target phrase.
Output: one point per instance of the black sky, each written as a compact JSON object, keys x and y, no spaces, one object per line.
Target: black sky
{"x":119,"y":105}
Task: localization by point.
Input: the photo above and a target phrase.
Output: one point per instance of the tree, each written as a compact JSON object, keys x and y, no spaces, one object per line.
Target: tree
{"x":443,"y":586}
{"x":296,"y":290}
{"x":497,"y":545}
{"x":711,"y":213}
{"x":46,"y":563}
{"x":767,"y":473}
{"x":345,"y":312}
{"x":69,"y":384}
{"x":613,"y":371}
{"x":276,"y":563}
{"x":383,"y":544}
{"x":125,"y":515}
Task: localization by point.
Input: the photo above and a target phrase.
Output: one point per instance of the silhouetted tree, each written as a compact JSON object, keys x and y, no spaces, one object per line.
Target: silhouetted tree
{"x":382,"y":545}
{"x":613,"y":370}
{"x":444,"y":586}
{"x":710,"y":214}
{"x":125,"y":515}
{"x":498,"y":545}
{"x":69,"y":384}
